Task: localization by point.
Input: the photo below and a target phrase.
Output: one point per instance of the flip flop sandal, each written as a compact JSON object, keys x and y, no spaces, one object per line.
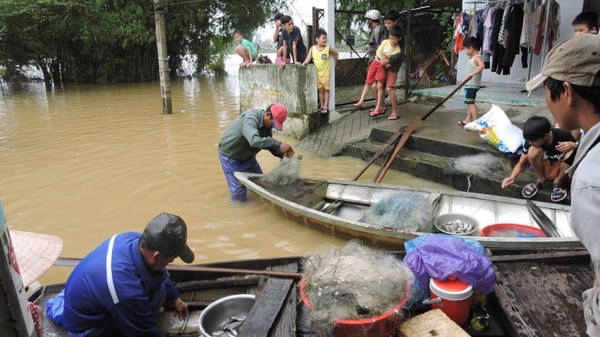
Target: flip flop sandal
{"x":531,"y":189}
{"x":376,"y":113}
{"x":373,"y":108}
{"x":558,"y":194}
{"x":461,"y":123}
{"x":393,"y":117}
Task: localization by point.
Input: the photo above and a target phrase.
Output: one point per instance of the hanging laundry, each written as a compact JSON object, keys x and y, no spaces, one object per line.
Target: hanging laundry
{"x":553,"y":26}
{"x":512,"y":29}
{"x":459,"y":33}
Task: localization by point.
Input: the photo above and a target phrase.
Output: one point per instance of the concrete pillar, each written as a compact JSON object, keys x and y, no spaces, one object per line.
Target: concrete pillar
{"x":295,"y":86}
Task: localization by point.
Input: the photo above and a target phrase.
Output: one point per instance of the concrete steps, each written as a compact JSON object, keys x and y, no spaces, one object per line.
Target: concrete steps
{"x":435,"y":159}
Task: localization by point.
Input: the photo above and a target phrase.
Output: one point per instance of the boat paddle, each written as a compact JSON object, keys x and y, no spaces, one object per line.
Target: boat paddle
{"x":72,"y":262}
{"x":410,"y":129}
{"x":545,"y":223}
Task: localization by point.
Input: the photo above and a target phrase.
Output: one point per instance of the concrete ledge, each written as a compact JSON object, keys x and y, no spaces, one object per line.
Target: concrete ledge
{"x":432,"y":159}
{"x":294,"y":85}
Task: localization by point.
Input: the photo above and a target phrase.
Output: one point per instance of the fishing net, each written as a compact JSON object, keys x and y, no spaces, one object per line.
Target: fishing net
{"x":482,"y":165}
{"x":286,"y":173}
{"x":403,"y":210}
{"x":355,"y":283}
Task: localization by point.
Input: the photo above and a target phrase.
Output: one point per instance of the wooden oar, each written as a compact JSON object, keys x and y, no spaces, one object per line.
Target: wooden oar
{"x":546,"y":224}
{"x":387,"y":144}
{"x":72,"y":262}
{"x":410,"y":129}
{"x":333,"y":207}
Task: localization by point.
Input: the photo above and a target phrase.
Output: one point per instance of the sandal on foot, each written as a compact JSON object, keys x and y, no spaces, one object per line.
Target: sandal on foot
{"x":324,"y":110}
{"x":358,"y":105}
{"x":531,"y":189}
{"x":376,"y":113}
{"x":558,"y":194}
{"x":373,"y":109}
{"x":393,"y":117}
{"x":461,"y":123}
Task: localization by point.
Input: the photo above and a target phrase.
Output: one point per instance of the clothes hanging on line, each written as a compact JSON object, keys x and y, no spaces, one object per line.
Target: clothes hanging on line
{"x":507,"y":29}
{"x":553,"y":26}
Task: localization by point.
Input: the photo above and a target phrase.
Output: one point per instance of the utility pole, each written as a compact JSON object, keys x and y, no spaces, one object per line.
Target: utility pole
{"x":163,"y":58}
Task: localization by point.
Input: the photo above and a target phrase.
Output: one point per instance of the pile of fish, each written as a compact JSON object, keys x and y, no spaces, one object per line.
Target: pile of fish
{"x":230,"y":328}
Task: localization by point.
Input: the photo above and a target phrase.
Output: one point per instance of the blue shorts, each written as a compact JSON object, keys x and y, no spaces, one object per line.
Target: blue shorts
{"x":238,"y":191}
{"x":470,"y":94}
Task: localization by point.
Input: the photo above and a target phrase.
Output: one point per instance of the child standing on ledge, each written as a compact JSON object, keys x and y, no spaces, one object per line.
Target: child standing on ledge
{"x":474,"y":67}
{"x":320,"y":55}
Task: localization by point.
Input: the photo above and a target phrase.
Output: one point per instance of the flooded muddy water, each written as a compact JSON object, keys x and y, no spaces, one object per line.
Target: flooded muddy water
{"x":86,"y":162}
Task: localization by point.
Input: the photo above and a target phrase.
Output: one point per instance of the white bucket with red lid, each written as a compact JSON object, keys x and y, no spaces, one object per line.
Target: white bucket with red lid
{"x":455,"y":296}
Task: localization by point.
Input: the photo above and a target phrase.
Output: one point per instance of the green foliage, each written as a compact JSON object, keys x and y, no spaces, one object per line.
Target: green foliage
{"x":103,"y":41}
{"x":446,"y":21}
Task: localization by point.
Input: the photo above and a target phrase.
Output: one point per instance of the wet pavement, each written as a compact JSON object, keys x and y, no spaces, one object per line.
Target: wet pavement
{"x":437,"y":141}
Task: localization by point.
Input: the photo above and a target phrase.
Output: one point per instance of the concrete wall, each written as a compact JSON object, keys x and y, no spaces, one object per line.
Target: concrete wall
{"x":295,"y":86}
{"x":568,"y":10}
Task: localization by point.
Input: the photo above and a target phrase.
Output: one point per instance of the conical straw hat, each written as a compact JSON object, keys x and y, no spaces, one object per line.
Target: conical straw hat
{"x":35,"y":253}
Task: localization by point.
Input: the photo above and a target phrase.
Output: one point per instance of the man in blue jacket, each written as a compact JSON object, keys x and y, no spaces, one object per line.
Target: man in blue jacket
{"x":119,"y":288}
{"x":244,"y":138}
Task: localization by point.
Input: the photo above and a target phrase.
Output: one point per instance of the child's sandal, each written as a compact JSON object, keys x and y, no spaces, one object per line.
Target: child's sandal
{"x":531,"y":189}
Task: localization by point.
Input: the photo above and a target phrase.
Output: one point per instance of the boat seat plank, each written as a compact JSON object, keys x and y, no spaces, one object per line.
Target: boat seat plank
{"x":543,"y":298}
{"x":269,"y":303}
{"x":286,"y":324}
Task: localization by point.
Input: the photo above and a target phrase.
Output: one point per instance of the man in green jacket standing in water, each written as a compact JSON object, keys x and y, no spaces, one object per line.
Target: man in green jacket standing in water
{"x":244,"y":138}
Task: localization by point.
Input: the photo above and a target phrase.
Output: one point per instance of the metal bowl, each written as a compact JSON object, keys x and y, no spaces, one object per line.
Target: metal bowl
{"x":456,"y":224}
{"x":223,"y":311}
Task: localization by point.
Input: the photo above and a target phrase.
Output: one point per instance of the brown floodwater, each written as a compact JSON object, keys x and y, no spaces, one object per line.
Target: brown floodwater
{"x":86,"y":162}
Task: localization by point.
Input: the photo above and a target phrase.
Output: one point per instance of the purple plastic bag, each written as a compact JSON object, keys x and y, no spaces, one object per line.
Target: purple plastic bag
{"x":440,"y":255}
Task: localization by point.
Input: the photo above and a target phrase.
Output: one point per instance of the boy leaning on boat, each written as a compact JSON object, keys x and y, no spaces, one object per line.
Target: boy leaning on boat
{"x":571,"y":79}
{"x":550,"y":152}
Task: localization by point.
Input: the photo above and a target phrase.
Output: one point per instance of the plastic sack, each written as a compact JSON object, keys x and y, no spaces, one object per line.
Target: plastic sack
{"x":495,"y":116}
{"x":495,"y":127}
{"x":55,"y":308}
{"x":440,"y":255}
{"x":506,"y":138}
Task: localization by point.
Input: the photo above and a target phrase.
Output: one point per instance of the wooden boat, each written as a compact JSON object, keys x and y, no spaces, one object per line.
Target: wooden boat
{"x":339,"y":206}
{"x":537,"y":294}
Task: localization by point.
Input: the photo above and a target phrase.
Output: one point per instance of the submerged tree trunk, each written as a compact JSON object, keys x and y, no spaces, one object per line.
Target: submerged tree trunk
{"x":45,"y":73}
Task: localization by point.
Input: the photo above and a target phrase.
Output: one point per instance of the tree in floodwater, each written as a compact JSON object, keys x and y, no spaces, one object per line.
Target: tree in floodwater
{"x":108,"y":41}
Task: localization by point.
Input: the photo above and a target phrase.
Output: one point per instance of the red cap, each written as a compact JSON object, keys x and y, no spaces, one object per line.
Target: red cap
{"x":279,"y":112}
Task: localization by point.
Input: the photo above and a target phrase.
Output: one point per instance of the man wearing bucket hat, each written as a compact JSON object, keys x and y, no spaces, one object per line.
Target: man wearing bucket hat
{"x":119,"y":288}
{"x":571,"y":79}
{"x":244,"y":138}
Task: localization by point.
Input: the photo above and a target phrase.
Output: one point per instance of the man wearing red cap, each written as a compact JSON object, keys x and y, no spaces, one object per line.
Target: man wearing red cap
{"x":244,"y":138}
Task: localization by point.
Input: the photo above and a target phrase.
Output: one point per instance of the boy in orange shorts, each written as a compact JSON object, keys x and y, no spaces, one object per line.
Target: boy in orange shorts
{"x":379,"y":73}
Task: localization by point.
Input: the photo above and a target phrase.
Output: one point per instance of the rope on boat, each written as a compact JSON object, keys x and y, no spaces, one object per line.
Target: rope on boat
{"x":468,"y":182}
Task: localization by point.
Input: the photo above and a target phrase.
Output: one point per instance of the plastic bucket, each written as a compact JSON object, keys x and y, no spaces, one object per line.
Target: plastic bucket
{"x":455,"y":298}
{"x":383,"y":325}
